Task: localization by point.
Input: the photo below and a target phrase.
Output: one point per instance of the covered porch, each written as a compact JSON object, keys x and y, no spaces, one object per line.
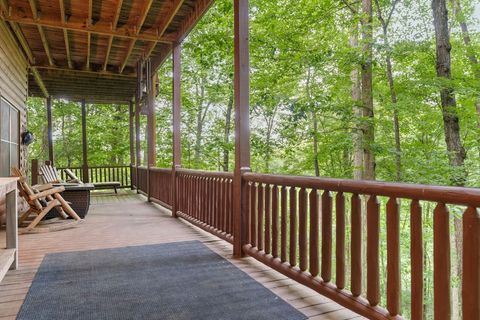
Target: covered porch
{"x":329,"y":247}
{"x":127,"y":219}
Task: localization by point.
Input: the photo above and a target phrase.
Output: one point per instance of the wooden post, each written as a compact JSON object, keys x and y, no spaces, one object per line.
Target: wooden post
{"x":138,"y":151}
{"x":242,"y":124}
{"x":50,"y":129}
{"x":471,"y":264}
{"x":132,"y":143}
{"x":34,"y":171}
{"x":12,"y":222}
{"x":151,"y":120}
{"x":177,"y":106}
{"x":85,"y":177}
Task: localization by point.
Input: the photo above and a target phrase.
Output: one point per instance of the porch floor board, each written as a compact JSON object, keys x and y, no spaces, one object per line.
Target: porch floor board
{"x":127,"y":219}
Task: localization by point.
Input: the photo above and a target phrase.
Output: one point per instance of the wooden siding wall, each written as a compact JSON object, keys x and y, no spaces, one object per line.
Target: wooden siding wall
{"x":13,"y":87}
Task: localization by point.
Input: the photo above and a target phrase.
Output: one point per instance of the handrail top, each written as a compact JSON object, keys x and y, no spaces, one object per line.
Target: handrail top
{"x":204,"y":173}
{"x":441,"y":194}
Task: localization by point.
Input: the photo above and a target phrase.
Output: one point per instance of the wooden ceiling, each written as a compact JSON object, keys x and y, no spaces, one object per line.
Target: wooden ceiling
{"x":90,"y":48}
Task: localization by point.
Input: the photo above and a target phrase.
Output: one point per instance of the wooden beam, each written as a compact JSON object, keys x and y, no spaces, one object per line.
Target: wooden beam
{"x":67,"y":48}
{"x":176,"y":123}
{"x":33,"y":7}
{"x":127,"y":56}
{"x":100,"y":29}
{"x":141,"y":21}
{"x":85,"y":177}
{"x":89,"y":39}
{"x":114,"y":28}
{"x":117,"y":14}
{"x":50,"y":129}
{"x":167,"y":19}
{"x":201,"y":6}
{"x":39,"y":81}
{"x":143,"y":16}
{"x":100,"y":74}
{"x":242,"y":123}
{"x":62,"y":11}
{"x":90,"y":12}
{"x":107,"y":54}
{"x":45,"y":45}
{"x":163,"y":22}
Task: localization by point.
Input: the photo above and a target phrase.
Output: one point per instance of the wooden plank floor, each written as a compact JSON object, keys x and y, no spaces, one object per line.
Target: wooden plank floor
{"x":128,"y":220}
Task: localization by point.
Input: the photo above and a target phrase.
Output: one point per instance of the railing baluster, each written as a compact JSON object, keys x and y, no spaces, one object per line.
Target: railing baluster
{"x":302,"y":229}
{"x":373,"y":244}
{"x":393,"y":257}
{"x":326,"y":236}
{"x":416,"y":253}
{"x":471,"y":264}
{"x":293,"y":226}
{"x":314,"y":230}
{"x":356,"y":246}
{"x":260,"y":203}
{"x":441,"y":262}
{"x":253,"y":216}
{"x":283,"y":226}
{"x":267,"y":246}
{"x":275,"y":221}
{"x":340,"y":240}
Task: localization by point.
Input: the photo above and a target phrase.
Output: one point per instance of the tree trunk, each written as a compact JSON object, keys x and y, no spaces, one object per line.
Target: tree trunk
{"x":456,"y":151}
{"x":357,"y":134}
{"x":226,"y":135}
{"x":367,"y":92}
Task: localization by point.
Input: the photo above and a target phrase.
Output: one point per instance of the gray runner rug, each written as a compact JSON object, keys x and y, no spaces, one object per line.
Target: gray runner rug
{"x":182,"y":280}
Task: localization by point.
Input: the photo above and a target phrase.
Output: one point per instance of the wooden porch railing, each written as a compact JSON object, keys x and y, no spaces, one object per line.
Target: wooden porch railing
{"x":330,"y":234}
{"x":102,"y":174}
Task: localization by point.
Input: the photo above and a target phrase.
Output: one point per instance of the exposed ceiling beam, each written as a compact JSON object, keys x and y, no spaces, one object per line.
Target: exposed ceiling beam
{"x":114,"y":28}
{"x":39,"y":82}
{"x":100,"y":74}
{"x":90,"y":12}
{"x":163,"y":21}
{"x":62,"y":11}
{"x":141,"y":21}
{"x":67,"y":48}
{"x":89,"y":42}
{"x":127,"y":56}
{"x":98,"y":28}
{"x":34,"y":9}
{"x":45,"y":45}
{"x":107,"y":54}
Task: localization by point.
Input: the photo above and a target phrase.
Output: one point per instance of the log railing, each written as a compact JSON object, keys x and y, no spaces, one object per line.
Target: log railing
{"x":293,"y":222}
{"x":102,"y":174}
{"x":342,"y":238}
{"x":205,"y":199}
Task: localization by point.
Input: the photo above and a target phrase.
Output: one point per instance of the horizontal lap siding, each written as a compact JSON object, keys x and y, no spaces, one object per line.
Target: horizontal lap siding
{"x":13,"y":86}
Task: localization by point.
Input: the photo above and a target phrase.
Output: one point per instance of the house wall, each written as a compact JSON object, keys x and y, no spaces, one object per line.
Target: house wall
{"x":13,"y":86}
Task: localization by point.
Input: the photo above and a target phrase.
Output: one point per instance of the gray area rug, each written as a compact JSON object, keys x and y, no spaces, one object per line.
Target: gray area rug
{"x":183,"y":280}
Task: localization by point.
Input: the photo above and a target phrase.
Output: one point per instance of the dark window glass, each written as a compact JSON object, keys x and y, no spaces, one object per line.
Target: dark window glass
{"x":9,"y":137}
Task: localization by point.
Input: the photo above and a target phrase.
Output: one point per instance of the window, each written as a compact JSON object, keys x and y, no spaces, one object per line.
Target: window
{"x":9,"y":137}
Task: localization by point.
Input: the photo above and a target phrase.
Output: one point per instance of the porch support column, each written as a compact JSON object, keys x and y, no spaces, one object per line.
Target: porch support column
{"x":138,"y":150}
{"x":151,"y":122}
{"x":85,"y":177}
{"x":177,"y":108}
{"x":131,"y":115}
{"x":242,"y":124}
{"x":49,"y":129}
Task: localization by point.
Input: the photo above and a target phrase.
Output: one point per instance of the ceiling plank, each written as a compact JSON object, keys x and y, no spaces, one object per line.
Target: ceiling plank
{"x":90,"y":12}
{"x":39,"y":81}
{"x":107,"y":54}
{"x":100,"y":29}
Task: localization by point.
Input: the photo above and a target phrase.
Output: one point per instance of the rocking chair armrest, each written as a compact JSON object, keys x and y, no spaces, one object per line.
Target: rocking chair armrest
{"x":47,"y":193}
{"x":42,"y":187}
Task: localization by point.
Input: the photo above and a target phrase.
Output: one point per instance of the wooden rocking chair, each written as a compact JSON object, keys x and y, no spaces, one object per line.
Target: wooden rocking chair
{"x":41,"y":199}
